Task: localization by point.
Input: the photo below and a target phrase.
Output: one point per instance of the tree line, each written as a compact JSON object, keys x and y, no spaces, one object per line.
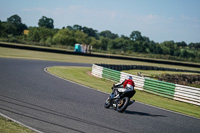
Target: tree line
{"x":45,"y":34}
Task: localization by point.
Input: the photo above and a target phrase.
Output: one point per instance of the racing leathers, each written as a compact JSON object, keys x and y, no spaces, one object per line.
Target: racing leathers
{"x":128,"y":85}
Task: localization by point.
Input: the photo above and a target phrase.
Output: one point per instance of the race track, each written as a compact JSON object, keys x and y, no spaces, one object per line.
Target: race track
{"x":51,"y":105}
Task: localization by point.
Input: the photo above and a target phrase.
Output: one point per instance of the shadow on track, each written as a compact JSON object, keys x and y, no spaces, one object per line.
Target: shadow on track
{"x":142,"y":114}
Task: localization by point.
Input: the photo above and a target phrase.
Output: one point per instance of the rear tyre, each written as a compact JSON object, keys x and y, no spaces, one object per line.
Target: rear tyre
{"x":107,"y":103}
{"x":123,"y":104}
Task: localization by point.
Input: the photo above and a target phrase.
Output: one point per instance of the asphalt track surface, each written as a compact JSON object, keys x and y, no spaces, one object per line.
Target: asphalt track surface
{"x":51,"y":105}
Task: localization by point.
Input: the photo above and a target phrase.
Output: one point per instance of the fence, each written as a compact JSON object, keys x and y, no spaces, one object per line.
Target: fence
{"x":165,"y":89}
{"x":161,"y":88}
{"x":187,"y":94}
{"x":116,"y":76}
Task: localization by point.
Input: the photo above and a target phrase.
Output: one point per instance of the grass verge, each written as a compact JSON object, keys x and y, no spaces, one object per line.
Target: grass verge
{"x":8,"y":126}
{"x":82,"y":75}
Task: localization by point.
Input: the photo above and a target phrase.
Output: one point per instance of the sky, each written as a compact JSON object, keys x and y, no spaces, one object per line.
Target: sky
{"x":160,"y":20}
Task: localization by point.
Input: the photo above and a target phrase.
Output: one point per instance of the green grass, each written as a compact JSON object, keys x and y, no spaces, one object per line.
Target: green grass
{"x":8,"y":126}
{"x":82,"y":75}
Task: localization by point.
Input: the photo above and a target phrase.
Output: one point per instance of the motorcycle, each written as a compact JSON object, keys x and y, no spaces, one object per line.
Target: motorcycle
{"x":121,"y":102}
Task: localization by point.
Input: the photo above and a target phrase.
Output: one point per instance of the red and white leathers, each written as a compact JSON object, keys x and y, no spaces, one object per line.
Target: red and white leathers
{"x":128,"y":85}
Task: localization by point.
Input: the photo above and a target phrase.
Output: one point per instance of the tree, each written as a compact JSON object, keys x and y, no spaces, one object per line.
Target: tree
{"x":108,"y":34}
{"x":104,"y":43}
{"x":14,"y":25}
{"x":64,"y":37}
{"x":46,"y":22}
{"x":181,"y":44}
{"x":146,"y":39}
{"x":9,"y":28}
{"x":93,"y":42}
{"x":171,"y":46}
{"x":125,"y":37}
{"x":69,"y":27}
{"x":136,"y":36}
{"x":90,"y":32}
{"x":158,"y":49}
{"x":194,"y":45}
{"x":2,"y":29}
{"x":14,"y":19}
{"x":77,"y":27}
{"x":40,"y":34}
{"x":80,"y":36}
{"x":184,"y":53}
{"x":34,"y":34}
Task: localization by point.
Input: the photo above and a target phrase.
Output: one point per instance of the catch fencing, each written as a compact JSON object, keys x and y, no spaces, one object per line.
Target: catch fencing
{"x":169,"y":90}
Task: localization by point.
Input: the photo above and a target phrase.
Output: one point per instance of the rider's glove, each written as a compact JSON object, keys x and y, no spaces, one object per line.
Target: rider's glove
{"x":114,"y":85}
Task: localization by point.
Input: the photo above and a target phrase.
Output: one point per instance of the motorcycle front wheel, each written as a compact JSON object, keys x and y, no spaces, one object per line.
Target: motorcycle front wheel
{"x":107,"y":103}
{"x":123,"y":104}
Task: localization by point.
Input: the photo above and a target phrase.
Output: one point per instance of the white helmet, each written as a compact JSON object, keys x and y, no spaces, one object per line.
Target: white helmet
{"x":130,"y":77}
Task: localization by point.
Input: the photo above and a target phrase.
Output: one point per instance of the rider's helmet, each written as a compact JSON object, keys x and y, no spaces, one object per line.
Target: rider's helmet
{"x":130,"y":77}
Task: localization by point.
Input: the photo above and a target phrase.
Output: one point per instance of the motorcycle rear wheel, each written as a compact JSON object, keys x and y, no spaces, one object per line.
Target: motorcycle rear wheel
{"x":123,"y":104}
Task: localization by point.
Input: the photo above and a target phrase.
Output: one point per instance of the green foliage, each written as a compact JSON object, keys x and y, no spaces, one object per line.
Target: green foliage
{"x":108,"y":34}
{"x":14,"y":25}
{"x":64,"y":37}
{"x":41,"y":35}
{"x":81,"y":37}
{"x":136,"y":36}
{"x":46,"y":22}
{"x":90,"y":32}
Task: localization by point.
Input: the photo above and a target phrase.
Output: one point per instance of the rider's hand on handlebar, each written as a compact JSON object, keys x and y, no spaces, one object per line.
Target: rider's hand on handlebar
{"x":114,"y":85}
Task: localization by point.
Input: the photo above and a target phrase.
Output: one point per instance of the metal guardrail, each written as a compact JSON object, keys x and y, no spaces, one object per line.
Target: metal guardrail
{"x":173,"y":91}
{"x":161,"y":88}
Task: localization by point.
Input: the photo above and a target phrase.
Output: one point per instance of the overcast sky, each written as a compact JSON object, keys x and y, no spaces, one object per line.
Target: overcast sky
{"x":160,"y":20}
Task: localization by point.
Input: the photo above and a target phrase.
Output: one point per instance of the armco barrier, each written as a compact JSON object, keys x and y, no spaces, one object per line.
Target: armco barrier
{"x":97,"y":71}
{"x":187,"y":94}
{"x":111,"y":74}
{"x":173,"y":91}
{"x":139,"y":81}
{"x":159,"y":87}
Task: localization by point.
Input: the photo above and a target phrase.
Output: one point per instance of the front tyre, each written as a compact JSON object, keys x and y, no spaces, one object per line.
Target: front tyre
{"x":123,"y":104}
{"x":107,"y":103}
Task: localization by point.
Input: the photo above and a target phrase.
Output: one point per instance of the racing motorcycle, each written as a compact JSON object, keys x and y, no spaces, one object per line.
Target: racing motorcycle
{"x":121,"y":102}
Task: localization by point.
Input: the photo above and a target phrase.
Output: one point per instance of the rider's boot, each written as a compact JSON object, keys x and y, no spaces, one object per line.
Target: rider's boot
{"x":131,"y":102}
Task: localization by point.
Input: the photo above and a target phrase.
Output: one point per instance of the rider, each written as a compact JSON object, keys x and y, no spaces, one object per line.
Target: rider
{"x":128,"y":84}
